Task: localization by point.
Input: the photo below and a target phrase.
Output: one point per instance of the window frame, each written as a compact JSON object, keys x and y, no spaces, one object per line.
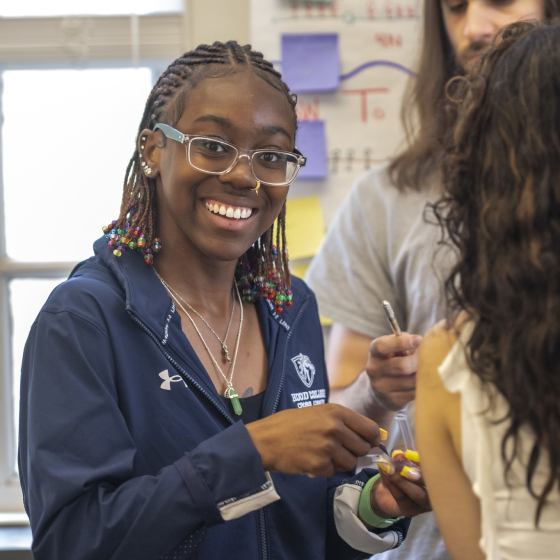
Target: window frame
{"x":10,"y":491}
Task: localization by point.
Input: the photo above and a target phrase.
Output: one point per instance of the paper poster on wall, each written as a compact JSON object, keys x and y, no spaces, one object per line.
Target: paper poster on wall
{"x":310,"y":62}
{"x":305,"y":227}
{"x":311,"y":142}
{"x":378,"y":45}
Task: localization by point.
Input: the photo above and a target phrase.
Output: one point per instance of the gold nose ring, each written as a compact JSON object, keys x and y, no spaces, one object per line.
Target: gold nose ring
{"x":256,"y":189}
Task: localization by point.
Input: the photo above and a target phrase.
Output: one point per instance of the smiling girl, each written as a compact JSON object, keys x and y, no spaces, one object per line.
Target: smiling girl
{"x":156,"y":400}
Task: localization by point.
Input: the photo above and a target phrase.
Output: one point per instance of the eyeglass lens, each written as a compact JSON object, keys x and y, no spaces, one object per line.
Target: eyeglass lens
{"x":214,"y":156}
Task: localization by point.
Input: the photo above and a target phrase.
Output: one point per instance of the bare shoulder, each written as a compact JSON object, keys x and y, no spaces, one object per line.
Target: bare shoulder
{"x":439,"y":340}
{"x":438,"y":410}
{"x":434,"y":348}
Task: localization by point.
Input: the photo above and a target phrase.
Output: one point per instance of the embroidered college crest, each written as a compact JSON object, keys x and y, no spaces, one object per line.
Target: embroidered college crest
{"x":305,"y":369}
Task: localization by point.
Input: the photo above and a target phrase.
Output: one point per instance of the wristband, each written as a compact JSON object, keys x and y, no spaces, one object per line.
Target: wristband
{"x":365,"y":511}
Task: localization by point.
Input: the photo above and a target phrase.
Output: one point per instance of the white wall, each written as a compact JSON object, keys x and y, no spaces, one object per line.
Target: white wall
{"x":207,"y":21}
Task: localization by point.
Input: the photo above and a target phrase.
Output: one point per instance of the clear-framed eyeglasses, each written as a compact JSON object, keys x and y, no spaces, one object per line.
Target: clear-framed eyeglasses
{"x":217,"y":157}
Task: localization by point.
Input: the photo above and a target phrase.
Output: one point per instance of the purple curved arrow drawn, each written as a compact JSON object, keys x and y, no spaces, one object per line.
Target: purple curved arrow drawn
{"x":378,"y":63}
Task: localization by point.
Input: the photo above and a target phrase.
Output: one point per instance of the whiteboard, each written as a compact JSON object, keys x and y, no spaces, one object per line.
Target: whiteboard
{"x":379,"y":42}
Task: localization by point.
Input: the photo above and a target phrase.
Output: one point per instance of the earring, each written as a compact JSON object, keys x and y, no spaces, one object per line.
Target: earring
{"x":147,"y":169}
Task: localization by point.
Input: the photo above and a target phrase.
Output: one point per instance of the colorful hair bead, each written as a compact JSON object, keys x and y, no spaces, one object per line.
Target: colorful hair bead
{"x":271,"y":287}
{"x":119,"y":240}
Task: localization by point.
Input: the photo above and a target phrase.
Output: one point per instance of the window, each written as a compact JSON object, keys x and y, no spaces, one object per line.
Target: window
{"x":42,"y":8}
{"x":70,"y":106}
{"x":66,"y":140}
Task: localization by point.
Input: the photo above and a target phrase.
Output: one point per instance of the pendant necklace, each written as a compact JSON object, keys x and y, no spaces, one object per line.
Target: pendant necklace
{"x":230,"y":391}
{"x":222,"y":342}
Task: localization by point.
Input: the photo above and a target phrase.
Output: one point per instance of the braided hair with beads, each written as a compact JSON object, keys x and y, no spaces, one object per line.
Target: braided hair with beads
{"x":262,"y":272}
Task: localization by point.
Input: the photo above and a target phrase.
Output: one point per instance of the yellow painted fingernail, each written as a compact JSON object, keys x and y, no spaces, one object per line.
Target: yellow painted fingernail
{"x":383,"y":434}
{"x":412,"y":455}
{"x":396,"y":452}
{"x":410,"y":473}
{"x":385,"y":468}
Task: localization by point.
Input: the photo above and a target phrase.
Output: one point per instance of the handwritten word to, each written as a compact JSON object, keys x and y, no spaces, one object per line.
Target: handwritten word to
{"x":363,"y":93}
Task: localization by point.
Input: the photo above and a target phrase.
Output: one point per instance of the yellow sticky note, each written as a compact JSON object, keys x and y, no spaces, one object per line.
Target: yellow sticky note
{"x":305,"y":227}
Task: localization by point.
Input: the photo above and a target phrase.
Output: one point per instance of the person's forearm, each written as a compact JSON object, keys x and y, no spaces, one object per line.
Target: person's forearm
{"x":359,"y":396}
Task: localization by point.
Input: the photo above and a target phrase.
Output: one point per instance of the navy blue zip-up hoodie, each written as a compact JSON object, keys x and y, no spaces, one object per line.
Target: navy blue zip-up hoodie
{"x":127,"y":452}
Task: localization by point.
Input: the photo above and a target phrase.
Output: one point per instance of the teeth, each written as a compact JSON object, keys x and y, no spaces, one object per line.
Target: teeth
{"x":229,"y":212}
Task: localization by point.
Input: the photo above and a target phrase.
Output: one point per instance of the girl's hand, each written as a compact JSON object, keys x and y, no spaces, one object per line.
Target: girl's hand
{"x":400,"y":491}
{"x":315,"y":441}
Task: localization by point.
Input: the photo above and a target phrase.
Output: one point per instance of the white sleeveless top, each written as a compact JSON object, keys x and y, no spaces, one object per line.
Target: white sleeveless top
{"x":508,"y":511}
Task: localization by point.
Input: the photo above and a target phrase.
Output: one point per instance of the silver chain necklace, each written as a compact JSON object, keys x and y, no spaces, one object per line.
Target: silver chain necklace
{"x":230,"y":391}
{"x":222,"y":342}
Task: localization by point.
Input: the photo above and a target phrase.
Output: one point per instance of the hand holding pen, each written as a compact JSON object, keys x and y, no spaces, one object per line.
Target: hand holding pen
{"x":391,"y":365}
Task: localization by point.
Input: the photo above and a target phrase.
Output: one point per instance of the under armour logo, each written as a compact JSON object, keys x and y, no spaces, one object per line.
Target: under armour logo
{"x":168,"y":380}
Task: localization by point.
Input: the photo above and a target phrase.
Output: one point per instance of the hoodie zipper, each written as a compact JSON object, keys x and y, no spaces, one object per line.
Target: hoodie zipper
{"x":284,"y":357}
{"x":181,"y":371}
{"x":262,"y":521}
{"x":263,"y":534}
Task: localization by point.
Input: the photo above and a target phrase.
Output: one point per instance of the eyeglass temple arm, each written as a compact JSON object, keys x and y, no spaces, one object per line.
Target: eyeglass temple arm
{"x":171,"y":132}
{"x":302,"y":160}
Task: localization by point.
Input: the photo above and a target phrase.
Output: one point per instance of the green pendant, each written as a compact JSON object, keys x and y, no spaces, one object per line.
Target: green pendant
{"x":232,"y":396}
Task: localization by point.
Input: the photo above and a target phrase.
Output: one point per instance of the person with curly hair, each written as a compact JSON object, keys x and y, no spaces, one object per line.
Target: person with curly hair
{"x":488,"y":398}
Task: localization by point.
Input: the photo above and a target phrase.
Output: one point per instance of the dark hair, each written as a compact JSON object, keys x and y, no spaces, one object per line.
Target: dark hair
{"x":424,"y":120}
{"x":501,"y":211}
{"x":166,"y":104}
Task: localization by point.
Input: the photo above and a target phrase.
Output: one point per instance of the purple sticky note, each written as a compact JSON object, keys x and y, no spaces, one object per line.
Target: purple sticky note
{"x":311,"y":141}
{"x":310,"y":62}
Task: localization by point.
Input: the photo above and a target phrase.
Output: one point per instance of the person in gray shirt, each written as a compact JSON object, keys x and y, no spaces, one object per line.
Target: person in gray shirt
{"x":381,"y":246}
